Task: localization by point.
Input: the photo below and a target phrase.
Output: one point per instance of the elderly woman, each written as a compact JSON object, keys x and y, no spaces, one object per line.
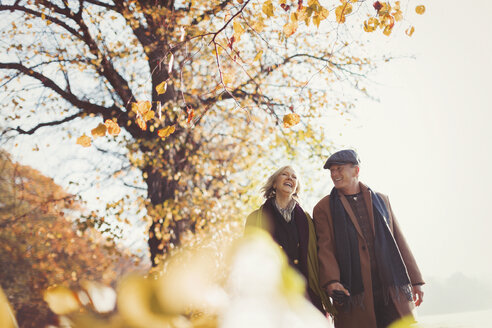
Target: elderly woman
{"x":292,"y":228}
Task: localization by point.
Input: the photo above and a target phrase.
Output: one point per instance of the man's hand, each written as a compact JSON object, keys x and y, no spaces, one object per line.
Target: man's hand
{"x":418,"y":295}
{"x":336,"y":286}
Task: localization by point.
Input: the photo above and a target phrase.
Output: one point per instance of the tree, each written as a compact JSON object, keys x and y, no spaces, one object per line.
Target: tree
{"x":40,"y":245}
{"x":200,"y":88}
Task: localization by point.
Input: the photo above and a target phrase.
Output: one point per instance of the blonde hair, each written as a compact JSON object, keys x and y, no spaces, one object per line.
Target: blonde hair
{"x":269,"y":191}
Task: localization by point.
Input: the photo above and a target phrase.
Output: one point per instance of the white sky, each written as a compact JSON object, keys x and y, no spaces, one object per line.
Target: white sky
{"x":427,"y":144}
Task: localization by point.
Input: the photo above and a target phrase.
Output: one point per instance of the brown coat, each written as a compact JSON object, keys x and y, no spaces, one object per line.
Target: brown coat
{"x":328,"y":266}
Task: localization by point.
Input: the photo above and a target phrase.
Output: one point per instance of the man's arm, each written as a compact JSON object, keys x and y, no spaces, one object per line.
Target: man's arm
{"x":329,"y":272}
{"x":408,"y":258}
{"x":406,"y":253}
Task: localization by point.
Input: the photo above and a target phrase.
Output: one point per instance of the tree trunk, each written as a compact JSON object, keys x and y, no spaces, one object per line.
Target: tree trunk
{"x":159,"y":189}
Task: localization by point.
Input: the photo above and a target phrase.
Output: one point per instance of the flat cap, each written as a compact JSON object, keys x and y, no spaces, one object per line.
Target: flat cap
{"x":346,"y":156}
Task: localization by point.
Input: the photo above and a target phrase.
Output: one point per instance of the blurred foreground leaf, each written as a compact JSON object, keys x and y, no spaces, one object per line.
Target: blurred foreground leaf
{"x":7,"y":319}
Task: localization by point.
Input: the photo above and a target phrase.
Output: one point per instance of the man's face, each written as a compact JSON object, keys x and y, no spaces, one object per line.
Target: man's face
{"x":344,"y":176}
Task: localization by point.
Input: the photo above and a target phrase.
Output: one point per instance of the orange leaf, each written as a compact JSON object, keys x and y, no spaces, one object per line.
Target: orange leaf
{"x":290,"y":28}
{"x":341,"y":11}
{"x":191,"y":113}
{"x":323,"y":14}
{"x":113,"y":127}
{"x":291,"y":120}
{"x":167,"y":131}
{"x":410,"y":30}
{"x":387,"y":30}
{"x":420,"y":10}
{"x":238,"y":30}
{"x":371,"y":24}
{"x":99,"y":131}
{"x":267,"y":8}
{"x":84,"y":141}
{"x":149,"y":115}
{"x":141,"y":107}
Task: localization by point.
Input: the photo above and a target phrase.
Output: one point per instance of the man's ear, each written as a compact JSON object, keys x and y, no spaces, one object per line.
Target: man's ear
{"x":357,"y":169}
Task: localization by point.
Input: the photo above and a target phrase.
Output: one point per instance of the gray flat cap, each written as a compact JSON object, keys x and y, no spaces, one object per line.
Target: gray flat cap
{"x":346,"y":156}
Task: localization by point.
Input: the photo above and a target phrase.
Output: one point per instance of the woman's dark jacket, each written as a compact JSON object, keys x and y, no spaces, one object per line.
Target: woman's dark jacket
{"x":300,"y":232}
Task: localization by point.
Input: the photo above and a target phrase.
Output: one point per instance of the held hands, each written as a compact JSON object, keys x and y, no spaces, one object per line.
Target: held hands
{"x":337,"y":292}
{"x":418,"y":295}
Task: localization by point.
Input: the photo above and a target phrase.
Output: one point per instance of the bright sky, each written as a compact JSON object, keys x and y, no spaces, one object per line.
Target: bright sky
{"x":427,"y":144}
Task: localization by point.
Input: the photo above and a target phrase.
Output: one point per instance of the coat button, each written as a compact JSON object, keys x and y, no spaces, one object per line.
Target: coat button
{"x":296,"y":261}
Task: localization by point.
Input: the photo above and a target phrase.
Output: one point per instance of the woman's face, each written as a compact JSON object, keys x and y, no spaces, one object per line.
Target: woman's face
{"x":286,"y":182}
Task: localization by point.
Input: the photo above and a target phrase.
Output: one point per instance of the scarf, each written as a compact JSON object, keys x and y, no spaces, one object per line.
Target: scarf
{"x":392,"y":271}
{"x":287,"y":211}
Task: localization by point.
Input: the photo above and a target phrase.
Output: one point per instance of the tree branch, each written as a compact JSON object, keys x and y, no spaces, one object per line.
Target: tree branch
{"x":38,"y":14}
{"x":101,"y":4}
{"x":40,"y":125}
{"x":70,"y":97}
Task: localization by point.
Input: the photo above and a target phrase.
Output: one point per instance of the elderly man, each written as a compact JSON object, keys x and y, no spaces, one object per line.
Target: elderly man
{"x":365,"y":263}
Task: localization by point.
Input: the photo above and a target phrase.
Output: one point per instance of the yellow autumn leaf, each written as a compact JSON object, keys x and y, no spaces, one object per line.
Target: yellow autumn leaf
{"x":387,"y":30}
{"x":371,"y":24}
{"x":259,"y":24}
{"x":290,"y":28}
{"x":141,"y":123}
{"x":227,"y":78}
{"x":258,"y":55}
{"x":84,"y":141}
{"x":161,"y":88}
{"x":291,"y":120}
{"x":167,"y":131}
{"x":61,"y":300}
{"x":141,"y":107}
{"x":420,"y":9}
{"x":302,"y":14}
{"x":113,"y":127}
{"x":405,"y":322}
{"x":238,"y":30}
{"x":149,"y":115}
{"x":7,"y":317}
{"x":99,"y":131}
{"x":267,"y":8}
{"x":398,"y":15}
{"x":316,"y":20}
{"x":410,"y":30}
{"x":341,"y":11}
{"x":323,"y":13}
{"x":293,"y":17}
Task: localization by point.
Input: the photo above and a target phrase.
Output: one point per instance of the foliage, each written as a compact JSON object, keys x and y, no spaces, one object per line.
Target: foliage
{"x":199,"y":90}
{"x":248,"y":284}
{"x":39,"y":245}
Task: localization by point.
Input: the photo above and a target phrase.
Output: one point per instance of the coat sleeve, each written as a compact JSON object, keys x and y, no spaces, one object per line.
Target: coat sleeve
{"x":313,"y":268}
{"x":328,"y":266}
{"x":406,"y":253}
{"x":256,"y":220}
